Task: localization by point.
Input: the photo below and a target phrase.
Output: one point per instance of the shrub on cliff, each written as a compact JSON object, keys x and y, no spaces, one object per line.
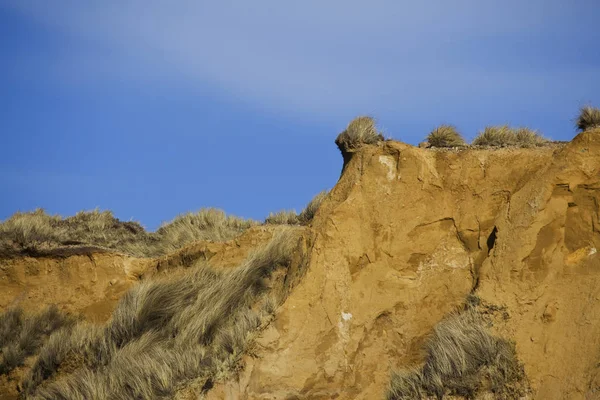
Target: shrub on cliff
{"x":360,"y":131}
{"x":445,"y":136}
{"x":462,"y":359}
{"x":589,"y":118}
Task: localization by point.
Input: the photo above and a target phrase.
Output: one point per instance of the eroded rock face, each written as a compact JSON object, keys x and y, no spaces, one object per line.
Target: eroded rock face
{"x":546,"y":270}
{"x":400,"y":242}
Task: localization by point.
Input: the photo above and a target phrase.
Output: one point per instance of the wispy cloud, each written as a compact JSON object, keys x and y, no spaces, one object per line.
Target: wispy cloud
{"x":330,"y":57}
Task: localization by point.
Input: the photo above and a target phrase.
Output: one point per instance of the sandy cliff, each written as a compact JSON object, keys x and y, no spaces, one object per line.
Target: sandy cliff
{"x":407,"y":234}
{"x":402,"y":240}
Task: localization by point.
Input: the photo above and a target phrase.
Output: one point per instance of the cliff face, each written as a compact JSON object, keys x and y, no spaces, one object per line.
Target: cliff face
{"x":546,"y":271}
{"x":402,"y":240}
{"x":407,"y":234}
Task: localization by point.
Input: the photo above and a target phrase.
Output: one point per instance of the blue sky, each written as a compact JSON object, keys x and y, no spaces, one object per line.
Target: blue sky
{"x":154,"y":108}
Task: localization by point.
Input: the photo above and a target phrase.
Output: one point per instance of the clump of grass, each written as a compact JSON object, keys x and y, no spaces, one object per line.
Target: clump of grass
{"x":37,"y":233}
{"x":206,"y":224}
{"x":290,"y":217}
{"x":589,"y":118}
{"x":284,"y":217}
{"x":311,"y":209}
{"x":31,"y":229}
{"x":407,"y":385}
{"x":526,"y":137}
{"x":165,"y":332}
{"x":503,"y":135}
{"x":10,"y":322}
{"x":445,"y":136}
{"x":495,"y":136}
{"x":21,"y":336}
{"x":361,"y":131}
{"x":462,"y":358}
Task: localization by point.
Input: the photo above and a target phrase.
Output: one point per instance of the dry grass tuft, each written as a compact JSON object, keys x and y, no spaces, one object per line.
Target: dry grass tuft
{"x":525,"y":137}
{"x":495,"y":136}
{"x":462,"y":359}
{"x":501,"y":136}
{"x":360,"y":131}
{"x":284,"y":217}
{"x":37,"y":233}
{"x":290,"y":217}
{"x":21,"y":336}
{"x":445,"y":136}
{"x":206,"y":224}
{"x":589,"y":118}
{"x":309,"y":212}
{"x":166,"y":332}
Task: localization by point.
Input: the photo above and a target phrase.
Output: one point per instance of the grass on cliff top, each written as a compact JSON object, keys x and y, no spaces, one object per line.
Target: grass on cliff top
{"x":167,"y":332}
{"x":504,"y":135}
{"x":360,"y":131}
{"x":589,"y":118}
{"x":462,"y":359}
{"x":38,"y":233}
{"x":445,"y":136}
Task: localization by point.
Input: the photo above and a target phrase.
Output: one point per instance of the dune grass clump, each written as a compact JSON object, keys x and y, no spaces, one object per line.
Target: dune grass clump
{"x":283,"y":217}
{"x":309,"y":212}
{"x":361,"y":131}
{"x":464,"y":359}
{"x":589,"y":118}
{"x":166,"y":332}
{"x":445,"y":136}
{"x":525,"y":137}
{"x":22,"y":336}
{"x":495,"y":136}
{"x":206,"y":224}
{"x":290,"y":217}
{"x":503,"y":135}
{"x":37,"y":233}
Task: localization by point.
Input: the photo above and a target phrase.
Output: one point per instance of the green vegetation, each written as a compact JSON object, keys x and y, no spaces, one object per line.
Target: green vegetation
{"x":166,"y":332}
{"x":445,"y":136}
{"x":589,"y":118}
{"x":360,"y":131}
{"x":462,"y":359}
{"x":506,"y":136}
